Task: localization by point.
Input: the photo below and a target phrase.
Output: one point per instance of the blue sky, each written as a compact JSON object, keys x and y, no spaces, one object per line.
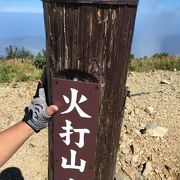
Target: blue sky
{"x":157,"y":27}
{"x":157,"y":24}
{"x":21,"y":6}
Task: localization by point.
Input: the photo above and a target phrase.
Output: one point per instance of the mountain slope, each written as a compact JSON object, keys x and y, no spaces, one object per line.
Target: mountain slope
{"x":31,"y":43}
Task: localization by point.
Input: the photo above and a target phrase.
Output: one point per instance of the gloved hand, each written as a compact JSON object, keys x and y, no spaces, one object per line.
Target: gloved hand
{"x":37,"y":114}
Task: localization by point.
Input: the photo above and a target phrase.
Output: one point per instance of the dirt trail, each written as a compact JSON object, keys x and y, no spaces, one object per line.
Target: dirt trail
{"x":152,"y":105}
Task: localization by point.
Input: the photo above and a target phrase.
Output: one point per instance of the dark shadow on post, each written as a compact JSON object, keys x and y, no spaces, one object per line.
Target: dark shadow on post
{"x":77,"y":75}
{"x":11,"y":173}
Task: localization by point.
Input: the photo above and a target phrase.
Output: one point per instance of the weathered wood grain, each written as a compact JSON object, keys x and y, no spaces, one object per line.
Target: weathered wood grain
{"x":95,"y":39}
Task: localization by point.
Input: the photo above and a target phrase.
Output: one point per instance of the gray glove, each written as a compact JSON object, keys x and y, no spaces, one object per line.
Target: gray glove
{"x":35,"y":115}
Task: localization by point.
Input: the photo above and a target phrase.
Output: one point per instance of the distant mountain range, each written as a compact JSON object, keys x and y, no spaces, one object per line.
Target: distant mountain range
{"x":31,"y":43}
{"x":35,"y":44}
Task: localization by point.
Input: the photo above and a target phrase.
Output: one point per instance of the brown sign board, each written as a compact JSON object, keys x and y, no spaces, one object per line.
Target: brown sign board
{"x":75,"y":128}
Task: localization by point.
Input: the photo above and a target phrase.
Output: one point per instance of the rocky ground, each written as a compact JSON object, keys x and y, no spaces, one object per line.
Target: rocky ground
{"x":150,"y":140}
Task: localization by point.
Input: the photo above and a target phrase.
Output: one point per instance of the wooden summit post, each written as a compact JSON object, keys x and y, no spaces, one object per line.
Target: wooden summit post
{"x":94,"y":37}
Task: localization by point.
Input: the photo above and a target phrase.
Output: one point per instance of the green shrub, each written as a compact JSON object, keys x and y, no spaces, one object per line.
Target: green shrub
{"x":178,"y":65}
{"x":18,"y":71}
{"x":4,"y":75}
{"x":158,"y":61}
{"x":15,"y":53}
{"x":40,"y":59}
{"x":1,"y":58}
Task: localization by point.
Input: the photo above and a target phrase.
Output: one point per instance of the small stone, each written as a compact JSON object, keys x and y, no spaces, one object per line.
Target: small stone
{"x":150,"y":110}
{"x":138,"y":132}
{"x":131,"y":73}
{"x":155,"y":130}
{"x":167,"y":168}
{"x":164,"y":82}
{"x":131,"y":172}
{"x":136,"y":148}
{"x":136,"y":111}
{"x":131,"y":118}
{"x":132,"y":148}
{"x":173,"y":177}
{"x":141,"y":167}
{"x":31,"y":145}
{"x":14,"y":85}
{"x":135,"y":158}
{"x":125,"y":150}
{"x":132,"y":113}
{"x":128,"y":93}
{"x":143,"y":131}
{"x":148,"y":169}
{"x":121,"y":176}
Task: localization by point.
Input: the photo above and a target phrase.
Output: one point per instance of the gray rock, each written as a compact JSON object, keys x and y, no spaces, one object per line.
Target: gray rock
{"x":137,"y":111}
{"x":164,"y":82}
{"x":125,"y":150}
{"x":131,"y":172}
{"x":31,"y":145}
{"x":122,"y":176}
{"x":135,"y":158}
{"x":150,"y":110}
{"x":148,"y":169}
{"x":155,"y":130}
{"x":131,"y":73}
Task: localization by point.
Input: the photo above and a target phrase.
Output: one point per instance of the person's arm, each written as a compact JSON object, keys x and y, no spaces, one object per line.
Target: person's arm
{"x":36,"y":117}
{"x":11,"y":140}
{"x":14,"y":137}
